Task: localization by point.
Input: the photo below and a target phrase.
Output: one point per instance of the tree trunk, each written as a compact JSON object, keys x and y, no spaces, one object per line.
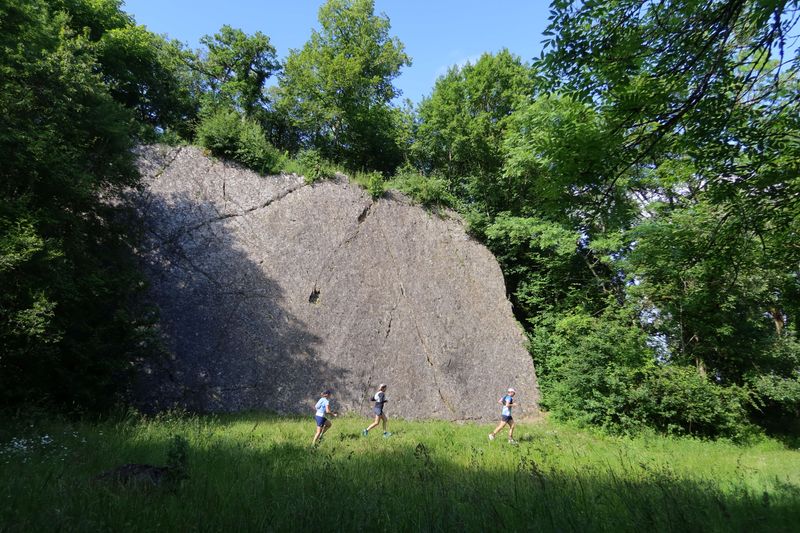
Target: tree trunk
{"x":777,"y":318}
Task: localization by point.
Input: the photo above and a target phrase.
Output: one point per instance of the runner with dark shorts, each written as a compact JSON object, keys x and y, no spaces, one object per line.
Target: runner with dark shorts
{"x":507,"y":402}
{"x":322,"y":408}
{"x":380,"y":400}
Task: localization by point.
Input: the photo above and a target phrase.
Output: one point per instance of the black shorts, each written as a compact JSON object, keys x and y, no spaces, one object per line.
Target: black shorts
{"x":507,"y":418}
{"x":377,"y":410}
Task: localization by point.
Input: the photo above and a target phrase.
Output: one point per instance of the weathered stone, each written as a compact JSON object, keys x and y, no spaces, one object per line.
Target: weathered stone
{"x":270,"y":291}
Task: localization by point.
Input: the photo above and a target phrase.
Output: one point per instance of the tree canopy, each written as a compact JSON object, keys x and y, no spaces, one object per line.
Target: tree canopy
{"x":337,"y":89}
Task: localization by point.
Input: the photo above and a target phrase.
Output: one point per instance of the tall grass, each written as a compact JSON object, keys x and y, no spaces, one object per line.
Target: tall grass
{"x":258,"y":472}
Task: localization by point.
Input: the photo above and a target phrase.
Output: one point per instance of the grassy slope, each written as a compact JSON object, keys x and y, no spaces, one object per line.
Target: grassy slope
{"x":257,"y":472}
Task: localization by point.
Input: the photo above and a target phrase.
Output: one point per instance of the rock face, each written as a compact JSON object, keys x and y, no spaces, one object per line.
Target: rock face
{"x":270,"y":291}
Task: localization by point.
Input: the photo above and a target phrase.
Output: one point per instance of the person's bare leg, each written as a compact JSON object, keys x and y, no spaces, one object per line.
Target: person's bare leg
{"x":511,"y":430}
{"x":383,"y":417}
{"x":375,"y":423}
{"x":317,"y":435}
{"x":498,"y":428}
{"x":325,"y":428}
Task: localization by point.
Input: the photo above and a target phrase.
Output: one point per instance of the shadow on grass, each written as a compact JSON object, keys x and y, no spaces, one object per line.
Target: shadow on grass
{"x":248,"y":484}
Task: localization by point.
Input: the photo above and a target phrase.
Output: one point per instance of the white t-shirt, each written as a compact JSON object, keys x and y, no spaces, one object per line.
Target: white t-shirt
{"x":321,"y":405}
{"x":379,"y":399}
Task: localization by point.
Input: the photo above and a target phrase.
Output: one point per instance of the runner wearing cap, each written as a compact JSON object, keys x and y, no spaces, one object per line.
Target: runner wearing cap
{"x":380,"y":399}
{"x":507,"y":402}
{"x":322,"y":407}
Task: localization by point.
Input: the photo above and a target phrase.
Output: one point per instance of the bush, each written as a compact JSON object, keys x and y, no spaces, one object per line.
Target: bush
{"x":426,"y":190}
{"x":227,"y":135}
{"x":373,"y":182}
{"x":678,"y":400}
{"x":219,"y":132}
{"x":599,"y":371}
{"x":582,"y":361}
{"x":312,"y":166}
{"x":255,"y":152}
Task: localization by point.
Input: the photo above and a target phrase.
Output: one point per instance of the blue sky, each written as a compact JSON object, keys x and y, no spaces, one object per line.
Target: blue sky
{"x":437,"y":33}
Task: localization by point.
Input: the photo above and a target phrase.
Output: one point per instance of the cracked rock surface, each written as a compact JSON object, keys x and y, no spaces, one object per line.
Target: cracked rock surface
{"x":270,"y":291}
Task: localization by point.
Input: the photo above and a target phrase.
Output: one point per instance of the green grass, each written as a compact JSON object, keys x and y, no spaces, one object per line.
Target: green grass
{"x":258,"y":472}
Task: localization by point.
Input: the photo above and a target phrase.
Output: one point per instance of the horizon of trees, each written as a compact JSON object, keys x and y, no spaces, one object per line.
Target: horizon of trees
{"x":638,"y":184}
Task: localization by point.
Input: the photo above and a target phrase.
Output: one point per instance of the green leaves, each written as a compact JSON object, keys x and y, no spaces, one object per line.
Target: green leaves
{"x":228,"y":135}
{"x":236,"y":67}
{"x":463,"y":122}
{"x":534,"y":232}
{"x":67,"y":311}
{"x":336,"y":90}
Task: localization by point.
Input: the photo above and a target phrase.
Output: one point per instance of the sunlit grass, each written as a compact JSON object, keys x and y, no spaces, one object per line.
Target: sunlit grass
{"x":259,"y":472}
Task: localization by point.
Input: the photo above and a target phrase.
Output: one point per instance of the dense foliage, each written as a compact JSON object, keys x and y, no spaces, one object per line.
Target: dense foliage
{"x":336,"y":91}
{"x":69,"y":328}
{"x":642,"y":195}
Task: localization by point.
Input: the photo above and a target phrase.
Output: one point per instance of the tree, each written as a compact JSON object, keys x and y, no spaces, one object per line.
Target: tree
{"x":236,"y":67}
{"x":463,"y":121}
{"x":69,"y":324}
{"x":338,"y":88}
{"x":705,"y":101}
{"x":710,"y":80}
{"x":151,"y":76}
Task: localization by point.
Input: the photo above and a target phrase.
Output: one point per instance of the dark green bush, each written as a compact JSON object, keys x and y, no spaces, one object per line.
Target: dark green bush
{"x":678,"y":400}
{"x":229,"y":136}
{"x":255,"y":152}
{"x":600,"y":371}
{"x":581,"y":362}
{"x":219,"y":132}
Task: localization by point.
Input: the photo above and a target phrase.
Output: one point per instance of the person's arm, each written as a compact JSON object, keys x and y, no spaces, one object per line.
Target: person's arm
{"x":328,"y":410}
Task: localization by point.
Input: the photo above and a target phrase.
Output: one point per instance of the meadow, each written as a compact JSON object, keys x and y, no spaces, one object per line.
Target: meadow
{"x":258,"y":472}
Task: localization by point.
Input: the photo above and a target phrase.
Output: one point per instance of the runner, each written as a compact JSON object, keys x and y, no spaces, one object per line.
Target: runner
{"x":507,"y":402}
{"x":323,"y":407}
{"x":380,"y":400}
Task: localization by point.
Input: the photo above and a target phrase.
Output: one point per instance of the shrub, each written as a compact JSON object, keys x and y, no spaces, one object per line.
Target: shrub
{"x":254,"y":151}
{"x":678,"y":400}
{"x":373,"y":182}
{"x":426,"y":190}
{"x":582,"y":361}
{"x":227,"y":135}
{"x":312,"y":166}
{"x":599,"y":371}
{"x":219,"y":132}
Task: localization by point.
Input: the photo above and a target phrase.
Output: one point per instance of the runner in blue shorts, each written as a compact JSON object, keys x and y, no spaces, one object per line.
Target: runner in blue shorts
{"x":323,"y":407}
{"x":507,"y":402}
{"x":380,"y":399}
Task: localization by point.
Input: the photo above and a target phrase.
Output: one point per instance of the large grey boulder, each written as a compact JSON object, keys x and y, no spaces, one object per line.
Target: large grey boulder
{"x":270,"y":291}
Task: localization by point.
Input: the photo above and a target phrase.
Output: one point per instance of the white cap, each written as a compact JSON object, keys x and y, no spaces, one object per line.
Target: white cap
{"x":381,"y":386}
{"x":511,"y":389}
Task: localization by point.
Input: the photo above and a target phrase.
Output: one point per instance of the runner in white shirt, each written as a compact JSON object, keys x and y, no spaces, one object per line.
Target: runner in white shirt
{"x":380,"y":399}
{"x":507,"y":402}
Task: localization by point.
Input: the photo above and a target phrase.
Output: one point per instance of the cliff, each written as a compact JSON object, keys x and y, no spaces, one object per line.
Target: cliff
{"x":270,"y":290}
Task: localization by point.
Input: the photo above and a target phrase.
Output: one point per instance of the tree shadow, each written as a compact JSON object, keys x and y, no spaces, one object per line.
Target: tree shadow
{"x":230,"y":342}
